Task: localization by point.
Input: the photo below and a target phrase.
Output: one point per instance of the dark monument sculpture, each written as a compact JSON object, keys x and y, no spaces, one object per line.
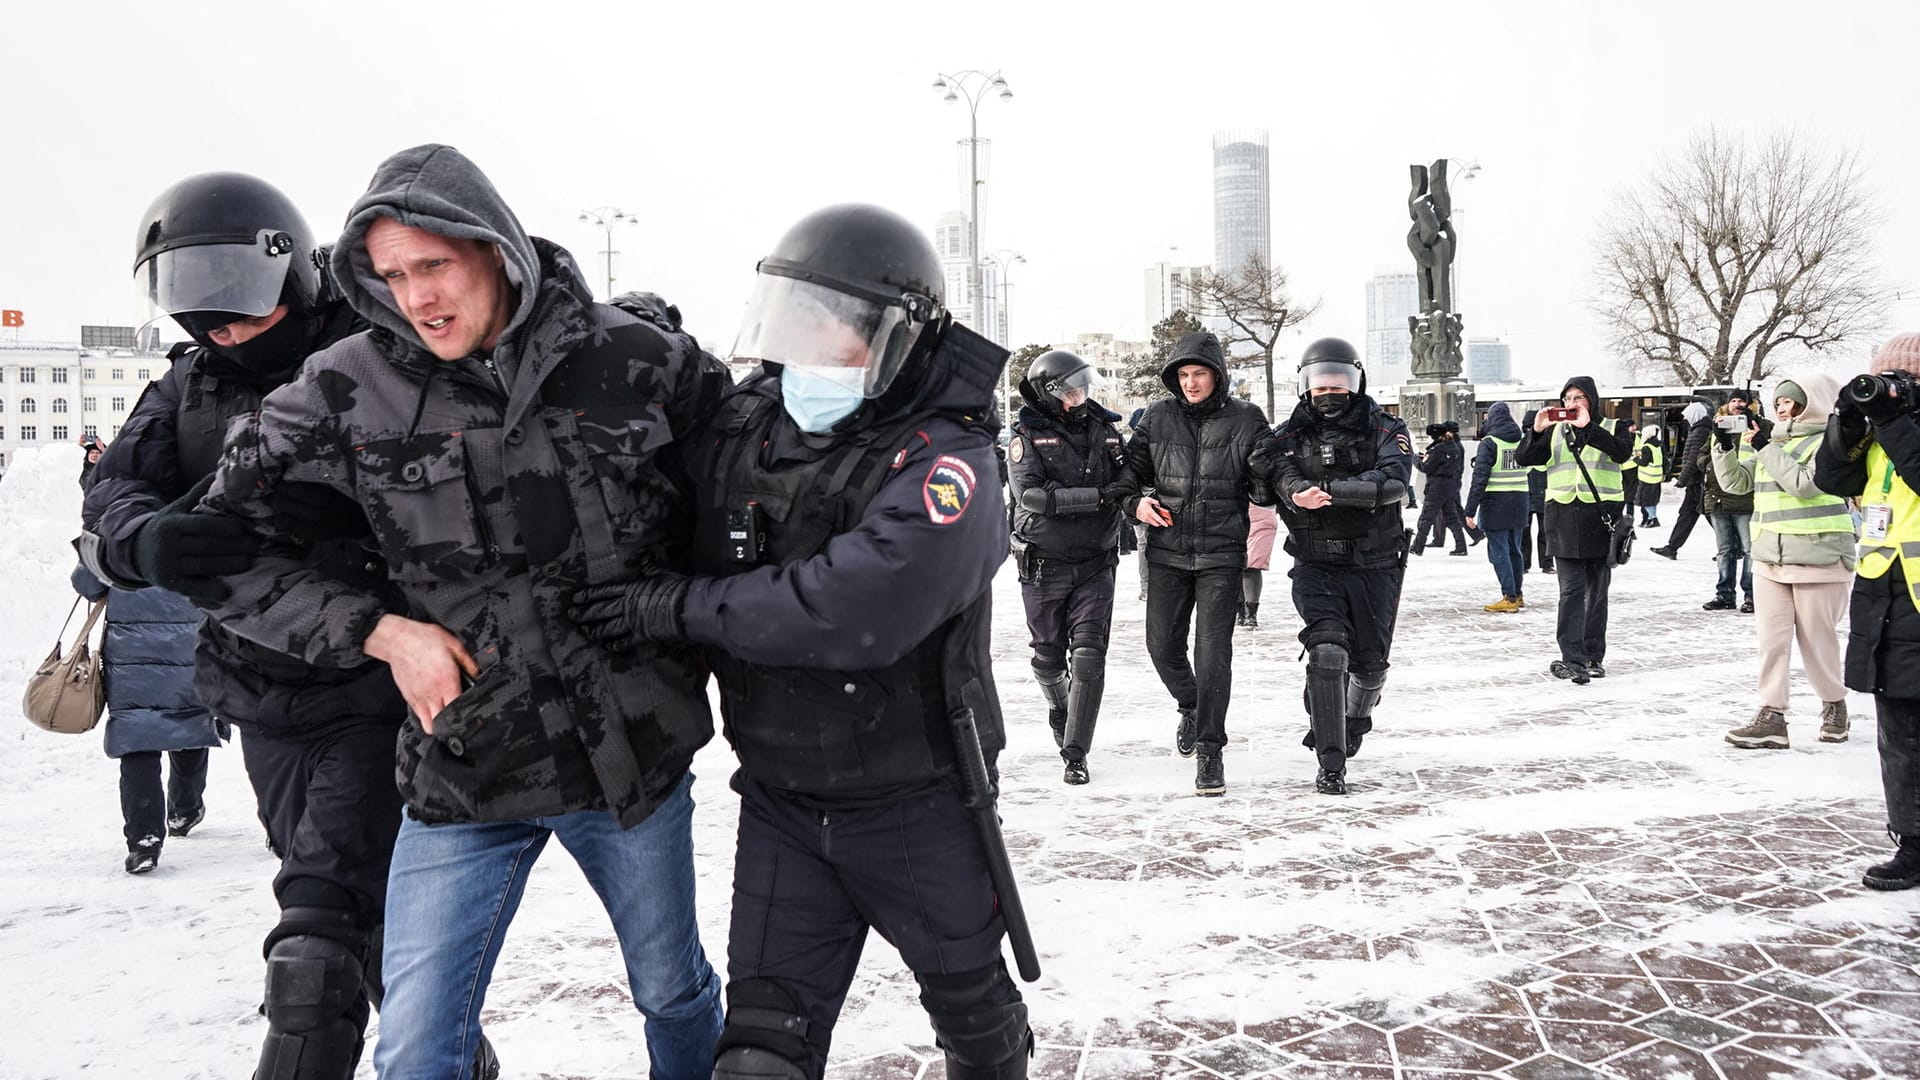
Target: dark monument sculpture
{"x":1437,"y":392}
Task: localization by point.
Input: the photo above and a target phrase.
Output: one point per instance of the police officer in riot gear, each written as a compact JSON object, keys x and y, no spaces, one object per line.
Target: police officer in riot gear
{"x":1066,"y":462}
{"x":232,"y":262}
{"x":849,"y":528}
{"x":1339,"y":467}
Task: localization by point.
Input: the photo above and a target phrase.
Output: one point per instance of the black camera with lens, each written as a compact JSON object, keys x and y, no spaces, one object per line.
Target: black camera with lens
{"x":746,"y":534}
{"x":1900,"y":385}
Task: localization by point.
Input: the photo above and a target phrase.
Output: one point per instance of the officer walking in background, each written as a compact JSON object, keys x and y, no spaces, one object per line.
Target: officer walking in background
{"x":1339,"y":468}
{"x":848,"y":531}
{"x":1066,"y":462}
{"x":234,"y":264}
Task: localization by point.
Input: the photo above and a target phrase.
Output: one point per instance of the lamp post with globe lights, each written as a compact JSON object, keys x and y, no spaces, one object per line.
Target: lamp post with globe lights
{"x":971,"y":86}
{"x":606,"y":217}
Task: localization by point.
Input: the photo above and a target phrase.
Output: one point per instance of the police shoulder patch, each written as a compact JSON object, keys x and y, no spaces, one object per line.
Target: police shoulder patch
{"x":1400,"y":439}
{"x":948,"y":489}
{"x":1017,"y":449}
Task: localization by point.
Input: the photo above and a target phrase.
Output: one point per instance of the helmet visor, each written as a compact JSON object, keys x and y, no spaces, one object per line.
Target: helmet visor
{"x":245,"y":279}
{"x":1073,"y":387}
{"x":798,"y":323}
{"x":1330,"y":375}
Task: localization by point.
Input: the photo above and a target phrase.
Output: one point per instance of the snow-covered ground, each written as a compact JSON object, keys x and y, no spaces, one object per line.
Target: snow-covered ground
{"x":1530,"y":878}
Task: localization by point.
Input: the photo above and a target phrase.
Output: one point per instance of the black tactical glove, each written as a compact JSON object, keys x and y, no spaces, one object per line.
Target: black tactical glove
{"x":1113,"y":493}
{"x":189,"y":553}
{"x":1883,"y":409}
{"x":1726,"y":439}
{"x":317,"y":513}
{"x":623,"y":615}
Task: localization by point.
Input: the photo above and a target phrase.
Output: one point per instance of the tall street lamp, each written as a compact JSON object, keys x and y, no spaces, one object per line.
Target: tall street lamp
{"x":971,"y":86}
{"x":607,"y":217}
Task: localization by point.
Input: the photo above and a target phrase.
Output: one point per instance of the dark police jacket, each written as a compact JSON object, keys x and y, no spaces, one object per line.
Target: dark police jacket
{"x":169,"y":443}
{"x":863,"y":623}
{"x":1061,"y":468}
{"x":1363,"y":460}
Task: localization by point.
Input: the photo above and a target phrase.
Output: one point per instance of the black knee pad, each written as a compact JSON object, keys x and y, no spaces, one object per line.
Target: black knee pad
{"x":1324,"y":656}
{"x":1087,"y":635}
{"x":1363,"y":693}
{"x":316,"y":1008}
{"x":766,"y":1037}
{"x":1324,"y":632}
{"x":1048,"y":663}
{"x":1089,"y":661}
{"x":979,"y":1020}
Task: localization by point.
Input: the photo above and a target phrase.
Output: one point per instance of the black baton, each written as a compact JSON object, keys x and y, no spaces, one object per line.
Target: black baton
{"x":976,"y":792}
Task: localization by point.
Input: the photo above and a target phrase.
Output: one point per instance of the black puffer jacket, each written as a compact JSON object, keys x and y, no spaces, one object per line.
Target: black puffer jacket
{"x":1194,"y":460}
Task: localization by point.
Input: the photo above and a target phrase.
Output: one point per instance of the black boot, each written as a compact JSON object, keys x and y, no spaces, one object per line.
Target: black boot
{"x":143,"y":855}
{"x":1210,"y":776}
{"x":1189,"y":730}
{"x":1900,"y":872}
{"x":1253,"y":616}
{"x":1083,"y":709}
{"x":1240,"y":614}
{"x":1331,"y":782}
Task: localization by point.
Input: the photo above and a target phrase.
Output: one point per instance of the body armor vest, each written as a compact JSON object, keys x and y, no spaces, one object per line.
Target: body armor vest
{"x":209,"y":403}
{"x":848,"y":735}
{"x":1329,"y":453}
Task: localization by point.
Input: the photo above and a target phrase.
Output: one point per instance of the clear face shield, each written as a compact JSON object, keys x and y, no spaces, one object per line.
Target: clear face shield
{"x":245,"y":279}
{"x":1073,"y":388}
{"x":1325,"y":376}
{"x":803,"y":324}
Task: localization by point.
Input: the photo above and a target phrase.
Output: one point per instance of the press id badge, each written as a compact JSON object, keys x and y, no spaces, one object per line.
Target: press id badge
{"x":1875,"y":521}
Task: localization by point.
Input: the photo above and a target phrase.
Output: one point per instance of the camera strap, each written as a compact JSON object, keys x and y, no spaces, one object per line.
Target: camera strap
{"x":1605,"y":518}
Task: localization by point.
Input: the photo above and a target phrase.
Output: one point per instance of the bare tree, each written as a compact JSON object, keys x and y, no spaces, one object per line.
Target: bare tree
{"x":1256,"y":303}
{"x":1731,"y":250}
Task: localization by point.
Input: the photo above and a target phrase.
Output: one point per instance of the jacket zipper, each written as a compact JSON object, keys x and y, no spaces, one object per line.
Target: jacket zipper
{"x":479,"y":512}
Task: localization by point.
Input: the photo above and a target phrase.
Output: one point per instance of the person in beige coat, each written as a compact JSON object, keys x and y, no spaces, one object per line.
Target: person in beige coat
{"x":1803,"y":559}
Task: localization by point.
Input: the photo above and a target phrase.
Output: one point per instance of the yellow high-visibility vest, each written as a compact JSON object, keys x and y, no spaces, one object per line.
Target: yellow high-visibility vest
{"x":1565,"y":484}
{"x":1902,"y":542}
{"x":1776,"y":511}
{"x":1505,"y":476}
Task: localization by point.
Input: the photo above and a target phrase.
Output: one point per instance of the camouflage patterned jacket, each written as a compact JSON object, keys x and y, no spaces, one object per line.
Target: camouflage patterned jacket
{"x":493,"y":499}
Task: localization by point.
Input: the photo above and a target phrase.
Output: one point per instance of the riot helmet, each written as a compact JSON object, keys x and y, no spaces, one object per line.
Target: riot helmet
{"x":1058,"y":382}
{"x":849,"y":289}
{"x":219,"y":247}
{"x":1331,"y":364}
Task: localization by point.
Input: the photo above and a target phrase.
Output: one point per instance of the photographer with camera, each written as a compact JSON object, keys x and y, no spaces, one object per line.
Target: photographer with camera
{"x":1872,"y":450}
{"x":1583,"y":455}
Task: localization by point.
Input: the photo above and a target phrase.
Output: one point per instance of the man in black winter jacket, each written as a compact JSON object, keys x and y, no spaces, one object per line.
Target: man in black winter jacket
{"x":1693,"y":450}
{"x":1190,"y":482}
{"x":317,"y":740}
{"x":1066,"y":461}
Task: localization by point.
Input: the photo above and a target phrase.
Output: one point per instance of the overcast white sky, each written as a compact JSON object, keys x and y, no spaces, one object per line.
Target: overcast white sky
{"x":720,"y":124}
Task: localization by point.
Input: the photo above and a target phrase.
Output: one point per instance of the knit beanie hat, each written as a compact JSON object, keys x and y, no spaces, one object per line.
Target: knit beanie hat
{"x":1901,"y":352}
{"x":1791,"y":391}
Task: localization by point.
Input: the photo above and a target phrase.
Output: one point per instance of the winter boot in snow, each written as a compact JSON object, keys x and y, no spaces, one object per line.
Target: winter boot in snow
{"x":1900,"y":872}
{"x":1189,"y":730}
{"x":1561,"y":669}
{"x":1210,"y":775}
{"x":1519,"y":601}
{"x":144,"y":855}
{"x":1083,"y":709}
{"x":1331,"y":782}
{"x":1766,"y":731}
{"x":486,"y":1063}
{"x":1054,"y":686}
{"x":1833,"y":721}
{"x":1503,"y":605}
{"x":1596,"y":669}
{"x":1663,"y":552}
{"x":180,"y":824}
{"x":1327,"y":694}
{"x":1253,"y":616}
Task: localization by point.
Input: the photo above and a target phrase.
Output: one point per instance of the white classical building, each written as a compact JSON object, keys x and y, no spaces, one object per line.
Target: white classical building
{"x":54,"y":392}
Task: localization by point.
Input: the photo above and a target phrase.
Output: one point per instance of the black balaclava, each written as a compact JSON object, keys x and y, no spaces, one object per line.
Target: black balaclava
{"x":1331,"y":406}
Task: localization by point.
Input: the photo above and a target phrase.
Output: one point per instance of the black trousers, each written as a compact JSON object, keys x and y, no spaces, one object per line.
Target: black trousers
{"x":1207,"y":600}
{"x":1533,"y":541}
{"x":1442,"y":514}
{"x":145,"y":805}
{"x":1899,"y":723}
{"x":332,"y":811}
{"x":1582,"y":625}
{"x":808,"y":883}
{"x":1685,"y":518}
{"x":1069,"y":605}
{"x":1350,"y":606}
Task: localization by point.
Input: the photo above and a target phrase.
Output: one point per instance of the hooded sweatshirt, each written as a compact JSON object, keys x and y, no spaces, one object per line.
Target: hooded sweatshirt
{"x":1788,"y":458}
{"x":494,"y":492}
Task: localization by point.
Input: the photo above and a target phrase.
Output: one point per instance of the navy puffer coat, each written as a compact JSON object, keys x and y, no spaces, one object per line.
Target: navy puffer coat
{"x":147,"y":653}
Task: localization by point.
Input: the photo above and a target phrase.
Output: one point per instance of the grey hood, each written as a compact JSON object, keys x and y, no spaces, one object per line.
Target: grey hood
{"x":1821,"y":391}
{"x":432,"y":187}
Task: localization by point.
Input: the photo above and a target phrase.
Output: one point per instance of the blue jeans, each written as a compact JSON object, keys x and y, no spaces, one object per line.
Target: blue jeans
{"x":1508,"y":553}
{"x":1736,"y":546}
{"x":454,"y":889}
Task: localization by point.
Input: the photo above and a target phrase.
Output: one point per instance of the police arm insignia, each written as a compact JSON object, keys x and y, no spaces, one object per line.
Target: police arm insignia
{"x":948,"y":489}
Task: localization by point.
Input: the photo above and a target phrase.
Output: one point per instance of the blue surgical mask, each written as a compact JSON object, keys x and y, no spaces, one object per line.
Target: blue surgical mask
{"x":818,"y":398}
